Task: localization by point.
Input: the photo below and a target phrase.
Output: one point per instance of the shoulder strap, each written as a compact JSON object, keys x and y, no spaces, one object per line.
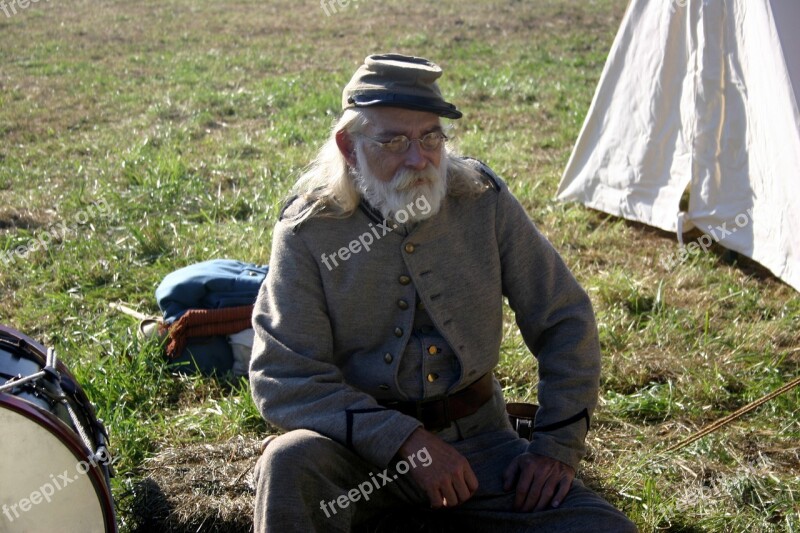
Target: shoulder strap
{"x":289,"y":201}
{"x":488,"y":174}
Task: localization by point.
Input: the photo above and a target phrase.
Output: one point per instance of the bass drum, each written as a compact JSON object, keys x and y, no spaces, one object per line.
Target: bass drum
{"x":54,"y":456}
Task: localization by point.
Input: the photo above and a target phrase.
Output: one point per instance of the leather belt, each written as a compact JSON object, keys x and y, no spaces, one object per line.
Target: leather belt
{"x":438,"y":413}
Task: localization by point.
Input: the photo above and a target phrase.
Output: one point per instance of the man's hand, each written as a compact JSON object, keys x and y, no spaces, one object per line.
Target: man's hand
{"x":541,"y":481}
{"x":448,"y":480}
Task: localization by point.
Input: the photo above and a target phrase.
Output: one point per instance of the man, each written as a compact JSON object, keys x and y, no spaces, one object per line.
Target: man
{"x":379,"y":324}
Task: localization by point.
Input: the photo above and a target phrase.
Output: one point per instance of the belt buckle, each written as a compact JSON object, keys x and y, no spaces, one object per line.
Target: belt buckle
{"x":434,"y":418}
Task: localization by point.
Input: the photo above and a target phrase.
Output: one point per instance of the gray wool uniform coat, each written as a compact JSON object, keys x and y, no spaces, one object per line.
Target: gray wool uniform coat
{"x":329,"y":339}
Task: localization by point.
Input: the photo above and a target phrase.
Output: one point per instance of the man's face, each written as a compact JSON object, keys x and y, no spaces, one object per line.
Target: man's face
{"x":390,"y":181}
{"x":386,"y":123}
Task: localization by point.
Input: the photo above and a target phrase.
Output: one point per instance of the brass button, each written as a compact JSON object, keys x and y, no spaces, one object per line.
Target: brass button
{"x":404,"y":280}
{"x":402,"y":304}
{"x":432,"y":377}
{"x":383,"y":387}
{"x":388,"y":358}
{"x":409,"y":248}
{"x":398,"y":332}
{"x":433,"y":350}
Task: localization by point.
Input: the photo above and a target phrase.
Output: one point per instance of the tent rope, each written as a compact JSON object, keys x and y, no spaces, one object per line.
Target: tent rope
{"x":733,"y":416}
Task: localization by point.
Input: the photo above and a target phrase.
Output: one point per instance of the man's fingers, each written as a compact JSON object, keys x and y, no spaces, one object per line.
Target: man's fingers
{"x":545,"y":493}
{"x":472,"y":481}
{"x":523,"y":487}
{"x":435,"y":497}
{"x":563,"y":490}
{"x":535,"y":494}
{"x":449,"y":494}
{"x":450,"y":479}
{"x":542,"y":482}
{"x":455,"y":490}
{"x":509,"y":474}
{"x":462,"y":489}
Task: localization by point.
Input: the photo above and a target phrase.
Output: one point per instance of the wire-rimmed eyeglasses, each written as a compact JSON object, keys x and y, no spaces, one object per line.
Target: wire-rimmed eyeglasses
{"x":400,"y":144}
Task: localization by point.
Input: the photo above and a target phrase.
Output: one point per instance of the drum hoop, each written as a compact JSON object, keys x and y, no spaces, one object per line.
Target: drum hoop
{"x":11,"y":332}
{"x":65,"y":434}
{"x":58,"y":427}
{"x":37,"y":350}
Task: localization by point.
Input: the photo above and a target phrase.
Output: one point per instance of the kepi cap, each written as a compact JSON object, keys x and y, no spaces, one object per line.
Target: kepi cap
{"x":397,"y":80}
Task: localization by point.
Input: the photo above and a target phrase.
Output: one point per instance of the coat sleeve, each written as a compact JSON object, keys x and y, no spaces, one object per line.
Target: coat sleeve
{"x":296,"y":382}
{"x":555,"y":317}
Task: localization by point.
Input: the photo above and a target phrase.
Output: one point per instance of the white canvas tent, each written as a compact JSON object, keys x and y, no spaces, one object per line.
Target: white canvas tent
{"x":700,"y":95}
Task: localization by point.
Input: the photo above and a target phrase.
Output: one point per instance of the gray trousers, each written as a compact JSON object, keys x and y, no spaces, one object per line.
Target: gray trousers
{"x":306,"y":482}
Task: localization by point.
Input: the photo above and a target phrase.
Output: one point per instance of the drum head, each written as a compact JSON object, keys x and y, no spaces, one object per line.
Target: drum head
{"x":48,"y":483}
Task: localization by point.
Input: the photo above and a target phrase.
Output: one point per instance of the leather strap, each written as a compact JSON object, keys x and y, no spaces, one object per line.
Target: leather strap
{"x":522,"y":416}
{"x":439,"y":413}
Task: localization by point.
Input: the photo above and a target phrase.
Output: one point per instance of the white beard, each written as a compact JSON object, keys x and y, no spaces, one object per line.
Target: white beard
{"x":399,"y":200}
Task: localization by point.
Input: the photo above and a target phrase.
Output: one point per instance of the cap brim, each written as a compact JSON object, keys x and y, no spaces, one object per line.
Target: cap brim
{"x":439,"y":107}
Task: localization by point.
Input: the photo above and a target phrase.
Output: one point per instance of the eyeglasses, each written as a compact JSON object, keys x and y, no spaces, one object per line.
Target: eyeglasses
{"x":401,"y":143}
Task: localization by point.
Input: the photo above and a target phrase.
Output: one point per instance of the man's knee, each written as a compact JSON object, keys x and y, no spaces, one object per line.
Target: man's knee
{"x":596,"y":510}
{"x":289,"y":451}
{"x":293,"y":453}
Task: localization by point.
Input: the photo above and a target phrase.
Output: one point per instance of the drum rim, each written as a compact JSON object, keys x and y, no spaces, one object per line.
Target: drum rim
{"x":65,"y":434}
{"x":38,"y":350}
{"x":58,"y":427}
{"x":16,"y":333}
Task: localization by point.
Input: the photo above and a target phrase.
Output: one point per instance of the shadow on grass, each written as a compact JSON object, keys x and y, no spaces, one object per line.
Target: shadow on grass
{"x":194,"y":488}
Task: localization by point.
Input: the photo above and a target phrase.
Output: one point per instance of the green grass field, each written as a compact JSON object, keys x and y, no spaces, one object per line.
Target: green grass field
{"x":137,"y":137}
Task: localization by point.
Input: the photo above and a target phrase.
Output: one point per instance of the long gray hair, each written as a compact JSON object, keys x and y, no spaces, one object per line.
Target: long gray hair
{"x":327,"y":184}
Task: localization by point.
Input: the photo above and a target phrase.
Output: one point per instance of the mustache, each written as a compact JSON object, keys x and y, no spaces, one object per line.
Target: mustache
{"x":406,"y":179}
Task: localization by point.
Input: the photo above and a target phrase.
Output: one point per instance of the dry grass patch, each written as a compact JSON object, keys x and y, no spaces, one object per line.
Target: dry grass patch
{"x":199,"y":487}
